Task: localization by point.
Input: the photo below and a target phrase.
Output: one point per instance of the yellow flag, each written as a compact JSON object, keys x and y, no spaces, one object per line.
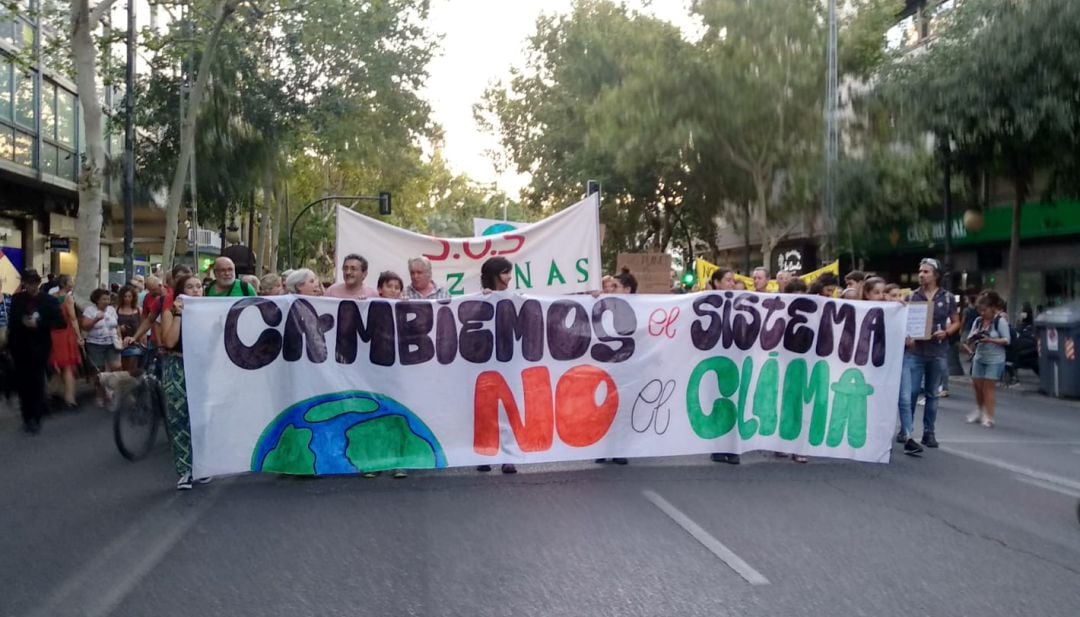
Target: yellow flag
{"x":704,"y":271}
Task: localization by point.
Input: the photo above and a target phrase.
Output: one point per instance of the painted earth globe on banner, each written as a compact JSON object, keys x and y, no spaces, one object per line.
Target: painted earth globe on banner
{"x":346,"y":433}
{"x":498,"y":228}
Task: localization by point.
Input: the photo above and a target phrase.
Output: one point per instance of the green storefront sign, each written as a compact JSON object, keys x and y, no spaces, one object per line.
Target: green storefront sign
{"x":1039,"y":220}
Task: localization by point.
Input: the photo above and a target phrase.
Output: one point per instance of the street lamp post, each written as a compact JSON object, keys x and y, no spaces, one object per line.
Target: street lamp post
{"x":129,"y":148}
{"x":946,"y":168}
{"x":382,"y":198}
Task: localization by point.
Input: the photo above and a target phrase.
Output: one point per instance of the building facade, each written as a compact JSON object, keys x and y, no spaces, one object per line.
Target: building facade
{"x":41,"y":140}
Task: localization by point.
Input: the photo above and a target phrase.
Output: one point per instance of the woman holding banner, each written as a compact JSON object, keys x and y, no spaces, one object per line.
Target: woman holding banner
{"x":874,"y":289}
{"x":723,"y":280}
{"x":303,"y":282}
{"x":495,"y":275}
{"x":625,"y":283}
{"x":174,"y":383}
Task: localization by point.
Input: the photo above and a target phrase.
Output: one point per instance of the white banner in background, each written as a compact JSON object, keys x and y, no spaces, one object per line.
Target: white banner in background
{"x":325,"y":386}
{"x":490,"y":227}
{"x":557,"y":255}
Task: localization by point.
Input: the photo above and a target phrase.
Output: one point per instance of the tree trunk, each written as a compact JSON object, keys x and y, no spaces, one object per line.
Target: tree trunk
{"x":1013,"y":299}
{"x":767,"y":240}
{"x":280,"y":221}
{"x":264,"y":221}
{"x":92,"y":170}
{"x":746,"y":240}
{"x":222,"y":11}
{"x":768,"y":243}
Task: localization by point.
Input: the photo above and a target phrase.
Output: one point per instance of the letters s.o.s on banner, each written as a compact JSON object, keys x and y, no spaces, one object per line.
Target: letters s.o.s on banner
{"x":556,"y":255}
{"x":323,"y":386}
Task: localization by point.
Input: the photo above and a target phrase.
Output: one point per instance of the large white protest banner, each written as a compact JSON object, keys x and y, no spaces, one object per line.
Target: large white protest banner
{"x":556,"y":255}
{"x":317,"y":385}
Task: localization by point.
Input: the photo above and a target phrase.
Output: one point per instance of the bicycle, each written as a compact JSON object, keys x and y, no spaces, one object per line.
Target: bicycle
{"x":139,"y":410}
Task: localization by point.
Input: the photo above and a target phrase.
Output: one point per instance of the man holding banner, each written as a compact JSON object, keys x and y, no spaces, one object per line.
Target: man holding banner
{"x":421,"y":287}
{"x":354,"y":269}
{"x":928,"y":358}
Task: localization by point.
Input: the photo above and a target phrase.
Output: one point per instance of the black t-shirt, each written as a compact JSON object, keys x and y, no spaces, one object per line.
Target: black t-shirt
{"x":36,"y":341}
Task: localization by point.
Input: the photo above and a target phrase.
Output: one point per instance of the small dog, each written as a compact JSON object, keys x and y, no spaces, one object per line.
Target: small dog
{"x":116,"y":382}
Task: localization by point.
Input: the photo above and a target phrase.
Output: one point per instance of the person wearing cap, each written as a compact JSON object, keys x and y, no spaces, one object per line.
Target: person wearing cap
{"x":927,"y":360}
{"x":34,"y":314}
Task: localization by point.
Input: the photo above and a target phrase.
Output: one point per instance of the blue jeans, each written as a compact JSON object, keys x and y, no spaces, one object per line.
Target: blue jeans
{"x":926,"y":375}
{"x":906,"y":412}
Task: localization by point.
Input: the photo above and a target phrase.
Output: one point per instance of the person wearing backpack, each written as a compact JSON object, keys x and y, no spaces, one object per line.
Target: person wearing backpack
{"x":225,"y":281}
{"x":990,"y":336}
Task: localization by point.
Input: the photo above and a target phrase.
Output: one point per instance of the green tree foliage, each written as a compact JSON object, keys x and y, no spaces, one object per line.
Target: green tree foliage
{"x":336,"y":81}
{"x":758,"y":98}
{"x":1000,"y":83}
{"x":679,"y":131}
{"x":591,"y":103}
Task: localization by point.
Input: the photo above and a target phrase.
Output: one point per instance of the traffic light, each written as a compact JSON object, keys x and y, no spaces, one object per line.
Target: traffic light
{"x":689,"y":279}
{"x":384,"y":203}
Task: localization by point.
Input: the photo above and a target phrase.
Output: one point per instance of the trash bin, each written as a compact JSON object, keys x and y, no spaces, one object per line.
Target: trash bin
{"x":1057,"y":331}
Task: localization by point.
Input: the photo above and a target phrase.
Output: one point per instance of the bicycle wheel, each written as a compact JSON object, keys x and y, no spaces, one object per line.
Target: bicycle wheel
{"x":135,"y":423}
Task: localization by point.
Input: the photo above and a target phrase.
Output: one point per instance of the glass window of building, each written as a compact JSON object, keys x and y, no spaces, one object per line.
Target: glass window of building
{"x":5,"y":90}
{"x":27,"y":34}
{"x":65,"y":164}
{"x":24,"y":149}
{"x":24,"y":99}
{"x":7,"y":29}
{"x":7,"y":143}
{"x":48,"y":158}
{"x":65,"y":117}
{"x":48,"y":110}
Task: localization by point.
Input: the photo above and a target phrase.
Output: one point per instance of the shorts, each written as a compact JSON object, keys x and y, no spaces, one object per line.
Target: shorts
{"x":987,"y":370}
{"x":132,"y":351}
{"x":101,"y":356}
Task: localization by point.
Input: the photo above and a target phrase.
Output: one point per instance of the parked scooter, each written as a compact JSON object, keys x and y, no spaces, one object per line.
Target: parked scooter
{"x":1022,"y":353}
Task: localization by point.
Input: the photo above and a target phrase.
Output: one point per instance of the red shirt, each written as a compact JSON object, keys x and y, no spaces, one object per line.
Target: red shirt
{"x":152,"y":306}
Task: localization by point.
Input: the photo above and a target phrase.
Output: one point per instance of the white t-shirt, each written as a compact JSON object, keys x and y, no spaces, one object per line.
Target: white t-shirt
{"x":104,"y":331}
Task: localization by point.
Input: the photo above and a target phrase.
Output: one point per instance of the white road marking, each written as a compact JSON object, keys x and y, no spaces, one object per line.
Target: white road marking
{"x":717,"y":548}
{"x":102,"y":583}
{"x":1016,"y":469}
{"x":1018,"y":442}
{"x":1050,"y":486}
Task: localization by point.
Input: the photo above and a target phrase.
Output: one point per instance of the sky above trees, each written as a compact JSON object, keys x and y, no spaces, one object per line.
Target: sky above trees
{"x":473,"y":56}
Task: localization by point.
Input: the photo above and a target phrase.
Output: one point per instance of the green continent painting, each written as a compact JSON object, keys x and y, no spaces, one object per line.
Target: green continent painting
{"x":346,"y":433}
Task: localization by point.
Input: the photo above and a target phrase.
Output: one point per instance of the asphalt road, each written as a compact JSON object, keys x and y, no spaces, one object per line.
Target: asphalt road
{"x":987,"y":525}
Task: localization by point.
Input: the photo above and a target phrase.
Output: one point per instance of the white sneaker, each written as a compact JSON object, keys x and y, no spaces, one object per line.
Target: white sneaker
{"x":976,"y":415}
{"x":206,"y":480}
{"x":184,"y":483}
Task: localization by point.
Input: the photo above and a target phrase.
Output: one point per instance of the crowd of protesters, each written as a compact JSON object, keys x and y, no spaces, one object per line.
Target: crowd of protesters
{"x":45,"y":333}
{"x":985,"y":335}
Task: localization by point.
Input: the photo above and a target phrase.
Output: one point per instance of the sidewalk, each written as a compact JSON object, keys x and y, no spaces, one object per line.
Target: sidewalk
{"x":1028,"y":387}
